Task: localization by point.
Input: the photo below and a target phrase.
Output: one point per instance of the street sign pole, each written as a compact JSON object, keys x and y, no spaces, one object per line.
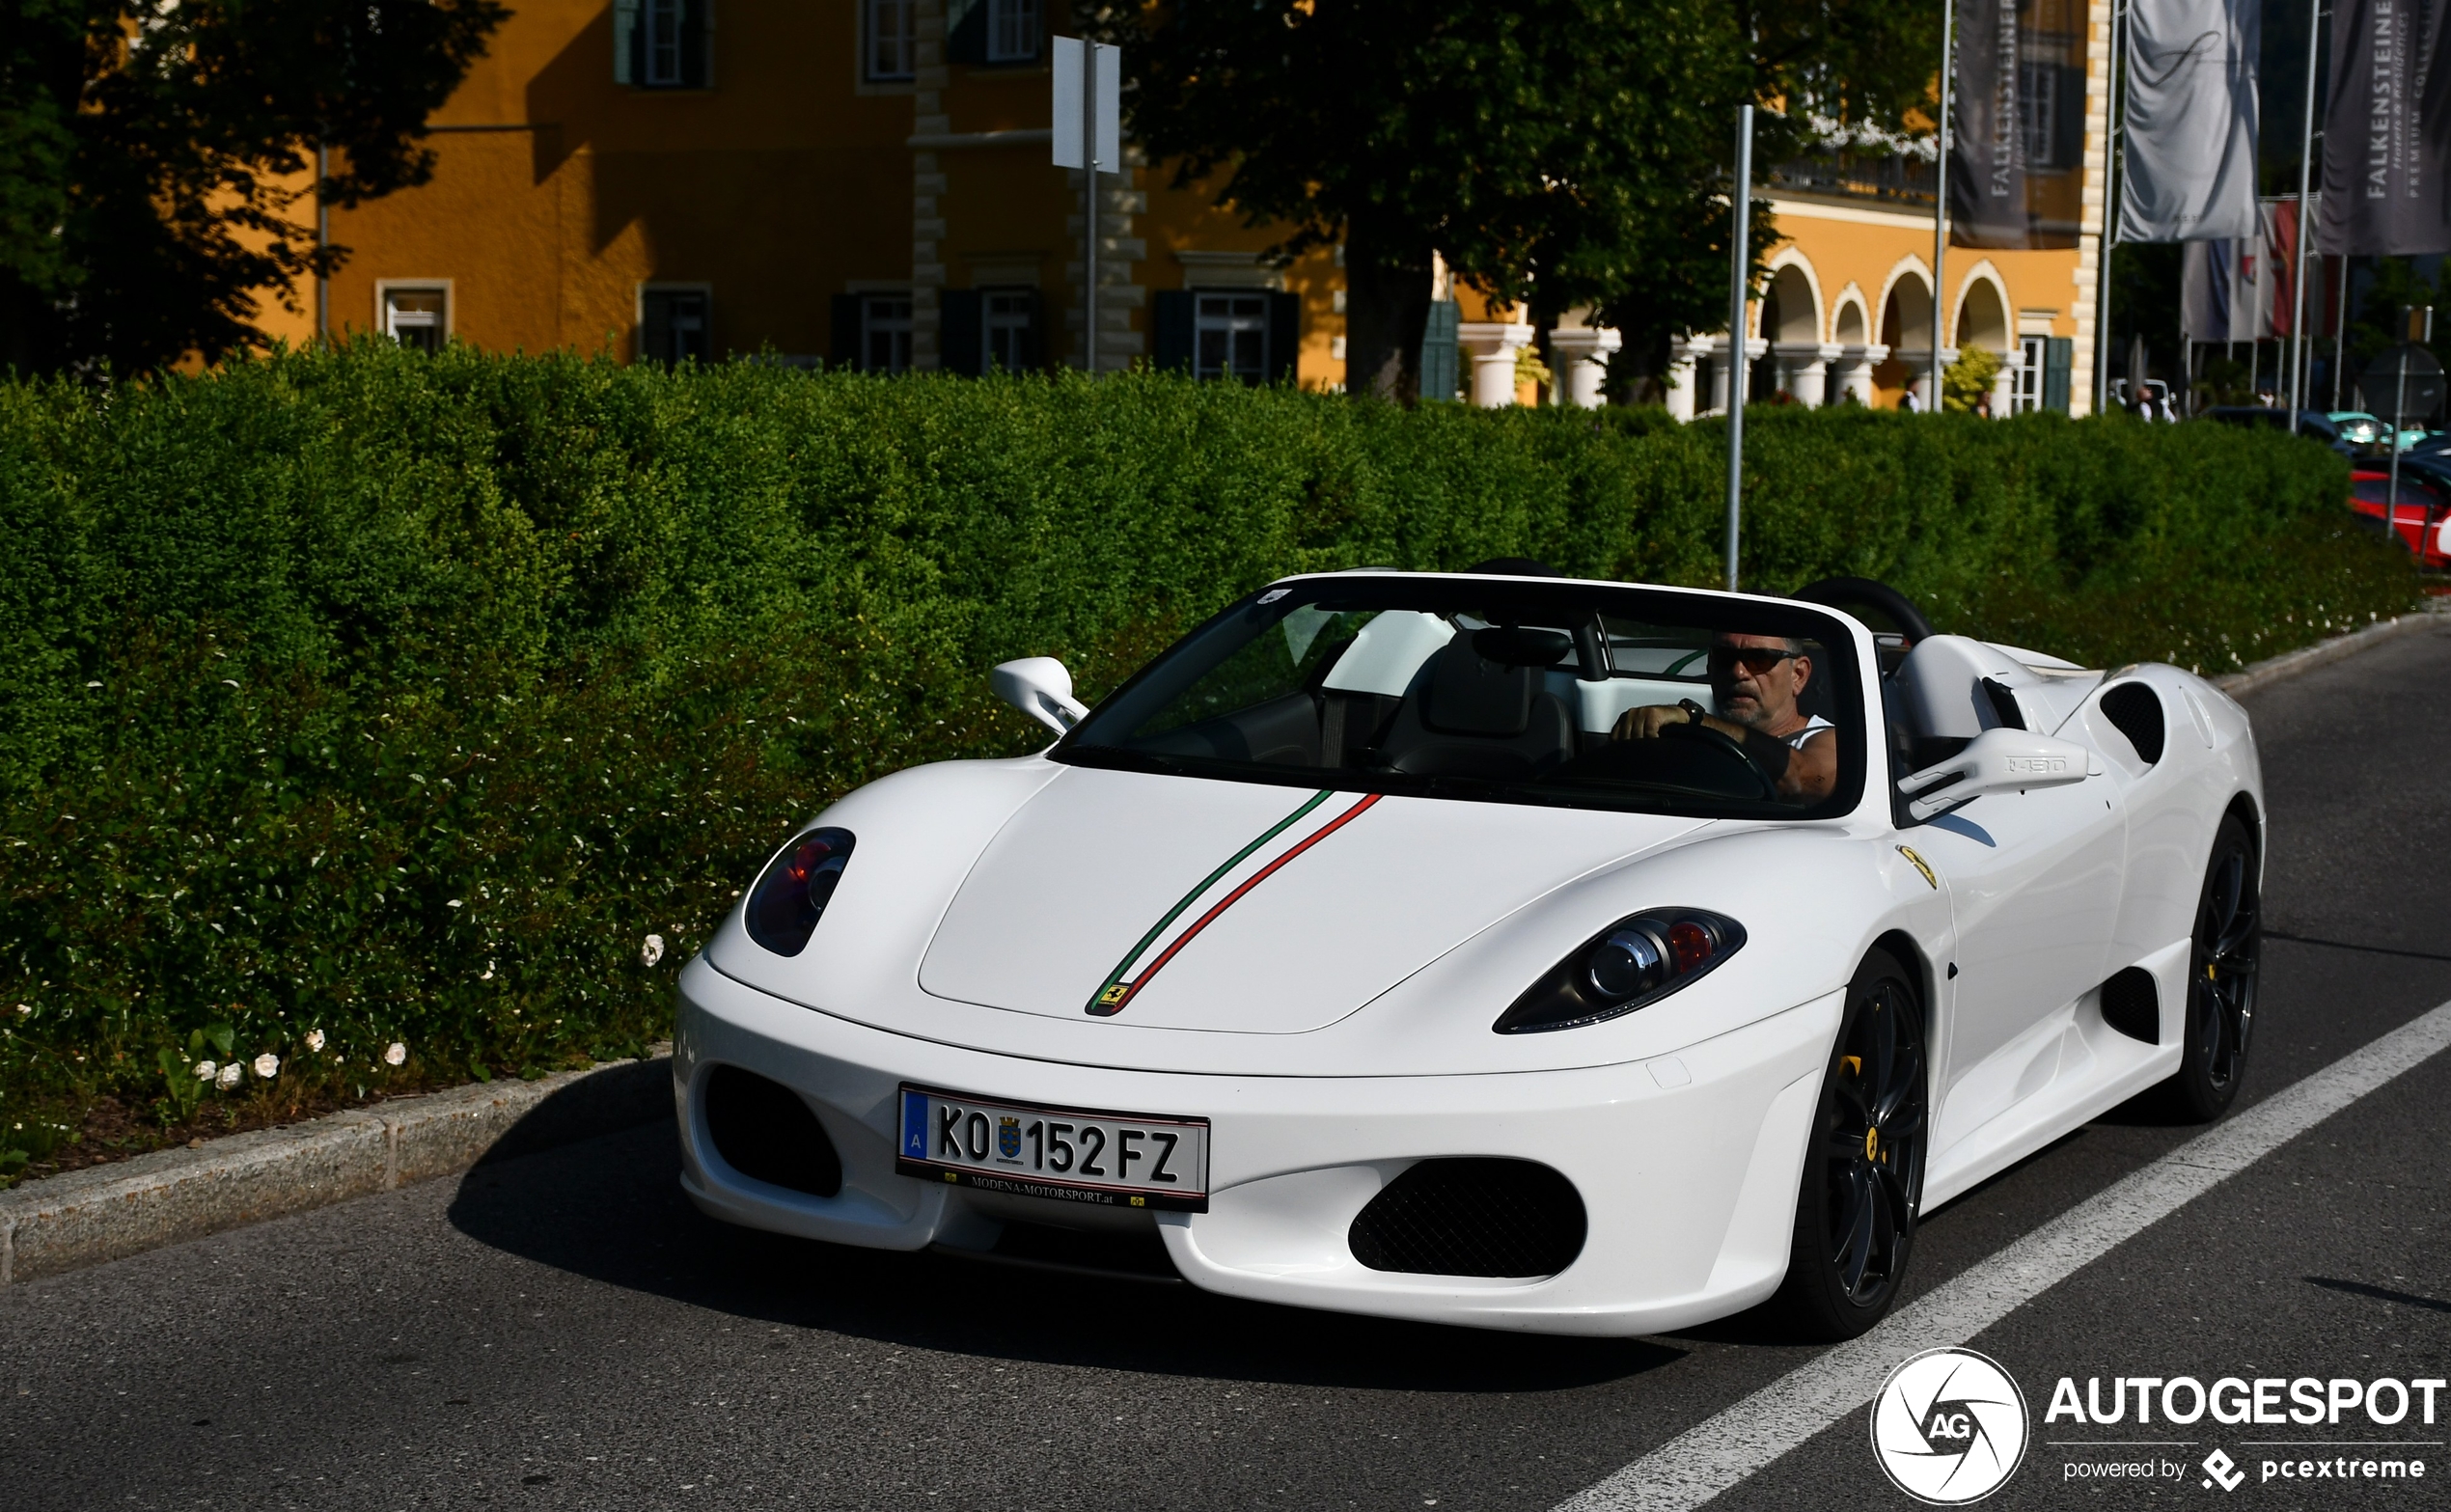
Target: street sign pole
{"x":1088,"y":80}
{"x":1090,"y":211}
{"x":1739,"y":286}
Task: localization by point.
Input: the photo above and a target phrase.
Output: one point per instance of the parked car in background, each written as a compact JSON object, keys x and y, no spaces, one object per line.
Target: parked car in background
{"x":2341,"y":434}
{"x":2421,"y":519}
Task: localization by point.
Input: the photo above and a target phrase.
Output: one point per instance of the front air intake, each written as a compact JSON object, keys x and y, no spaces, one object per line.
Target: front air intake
{"x":763,"y":1130}
{"x":1472,"y":1216}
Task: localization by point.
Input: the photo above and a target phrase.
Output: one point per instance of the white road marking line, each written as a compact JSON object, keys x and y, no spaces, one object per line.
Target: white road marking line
{"x":1713,"y":1455}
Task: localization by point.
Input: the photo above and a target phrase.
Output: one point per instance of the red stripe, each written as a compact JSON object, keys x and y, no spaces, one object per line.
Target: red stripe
{"x":1231,"y":898}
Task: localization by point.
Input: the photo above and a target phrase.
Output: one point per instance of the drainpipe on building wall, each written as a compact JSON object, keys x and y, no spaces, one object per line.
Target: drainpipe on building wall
{"x":1739,"y":295}
{"x":322,"y":239}
{"x":2110,"y":223}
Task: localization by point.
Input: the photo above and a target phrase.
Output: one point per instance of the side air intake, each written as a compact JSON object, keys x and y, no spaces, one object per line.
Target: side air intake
{"x":2132,"y":1004}
{"x":2137,"y":712}
{"x":765,"y":1132}
{"x":1478,"y":1215}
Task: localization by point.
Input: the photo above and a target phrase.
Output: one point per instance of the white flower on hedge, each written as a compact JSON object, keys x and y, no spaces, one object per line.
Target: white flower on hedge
{"x":394,"y":1053}
{"x":267,"y":1065}
{"x":653,"y":951}
{"x":205,"y":1070}
{"x":230,"y":1076}
{"x":315,"y":1039}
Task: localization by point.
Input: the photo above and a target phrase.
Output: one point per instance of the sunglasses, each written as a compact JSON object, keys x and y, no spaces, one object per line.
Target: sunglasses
{"x":1755,"y":660}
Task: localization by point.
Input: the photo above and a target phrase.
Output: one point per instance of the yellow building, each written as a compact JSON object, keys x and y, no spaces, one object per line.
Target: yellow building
{"x":868,"y":181}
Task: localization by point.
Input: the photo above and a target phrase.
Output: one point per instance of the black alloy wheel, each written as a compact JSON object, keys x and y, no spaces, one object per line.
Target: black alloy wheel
{"x":2221,"y":970}
{"x":1864,"y":1168}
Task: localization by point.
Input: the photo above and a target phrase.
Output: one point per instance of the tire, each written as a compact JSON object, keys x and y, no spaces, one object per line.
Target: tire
{"x":1863,"y":1184}
{"x":2221,"y":971}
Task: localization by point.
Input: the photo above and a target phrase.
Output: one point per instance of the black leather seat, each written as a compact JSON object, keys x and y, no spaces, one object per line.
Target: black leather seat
{"x":1467,"y":716}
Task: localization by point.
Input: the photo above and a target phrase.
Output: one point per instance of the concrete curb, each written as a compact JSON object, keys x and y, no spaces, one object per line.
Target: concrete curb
{"x":172,"y":1195}
{"x":2289,"y":664}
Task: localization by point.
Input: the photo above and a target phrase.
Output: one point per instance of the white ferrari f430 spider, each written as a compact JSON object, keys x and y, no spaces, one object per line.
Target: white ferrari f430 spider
{"x":1490,"y":948}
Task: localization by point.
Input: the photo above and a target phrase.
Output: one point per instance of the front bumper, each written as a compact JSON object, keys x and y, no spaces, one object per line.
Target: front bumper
{"x":1687,"y":1164}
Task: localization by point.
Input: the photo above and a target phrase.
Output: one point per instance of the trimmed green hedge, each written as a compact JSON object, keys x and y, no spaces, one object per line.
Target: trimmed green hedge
{"x":402,"y":698}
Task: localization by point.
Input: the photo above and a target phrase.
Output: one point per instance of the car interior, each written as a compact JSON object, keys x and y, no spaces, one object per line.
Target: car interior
{"x":1459,"y":696}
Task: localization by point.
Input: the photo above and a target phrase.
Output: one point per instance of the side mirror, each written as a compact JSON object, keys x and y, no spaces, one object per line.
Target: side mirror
{"x":1999,"y":760}
{"x":1040,"y":687}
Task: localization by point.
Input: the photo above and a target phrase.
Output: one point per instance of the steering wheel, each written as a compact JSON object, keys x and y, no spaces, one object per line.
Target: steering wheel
{"x":1703,"y":735}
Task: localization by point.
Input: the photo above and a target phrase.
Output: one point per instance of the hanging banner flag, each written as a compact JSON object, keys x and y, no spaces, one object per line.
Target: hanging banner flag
{"x":2207,"y":290}
{"x":1987,"y":171}
{"x":2239,"y":288}
{"x":2189,"y":169}
{"x":2388,"y":131}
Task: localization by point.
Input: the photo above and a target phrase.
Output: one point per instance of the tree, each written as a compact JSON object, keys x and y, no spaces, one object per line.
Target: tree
{"x":1556,"y":152}
{"x":147,"y":150}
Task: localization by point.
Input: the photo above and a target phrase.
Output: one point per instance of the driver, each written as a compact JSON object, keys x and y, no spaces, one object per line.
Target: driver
{"x":1756,"y":680}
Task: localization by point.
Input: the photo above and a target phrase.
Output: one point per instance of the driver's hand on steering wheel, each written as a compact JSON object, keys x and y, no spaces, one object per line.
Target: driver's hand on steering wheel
{"x":1646,"y":723}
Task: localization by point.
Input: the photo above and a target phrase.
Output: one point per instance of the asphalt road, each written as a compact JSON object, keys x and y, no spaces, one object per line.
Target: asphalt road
{"x":564,"y":1331}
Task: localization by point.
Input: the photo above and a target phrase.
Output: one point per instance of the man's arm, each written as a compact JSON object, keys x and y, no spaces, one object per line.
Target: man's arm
{"x":1812,"y":770}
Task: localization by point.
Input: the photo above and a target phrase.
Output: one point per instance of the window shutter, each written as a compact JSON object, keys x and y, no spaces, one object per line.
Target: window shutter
{"x":698,"y":45}
{"x":2058,"y":354}
{"x":2068,"y":151}
{"x":966,"y":31}
{"x":1284,"y":337}
{"x":842,"y":351}
{"x":1034,"y":342}
{"x":1439,"y":360}
{"x":625,"y":42}
{"x":962,"y":341}
{"x":1173,"y":308}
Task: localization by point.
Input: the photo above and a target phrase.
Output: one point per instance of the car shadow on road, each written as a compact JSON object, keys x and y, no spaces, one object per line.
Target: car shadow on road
{"x":610,"y":1209}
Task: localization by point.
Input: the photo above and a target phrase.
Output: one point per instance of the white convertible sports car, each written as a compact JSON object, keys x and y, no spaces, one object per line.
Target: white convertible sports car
{"x":1490,"y":948}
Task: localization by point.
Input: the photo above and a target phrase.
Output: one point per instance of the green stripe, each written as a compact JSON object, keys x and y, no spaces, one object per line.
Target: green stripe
{"x":1206,"y":882}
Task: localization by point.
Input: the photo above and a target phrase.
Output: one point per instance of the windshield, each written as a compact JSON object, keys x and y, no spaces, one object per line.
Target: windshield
{"x":1565,"y":694}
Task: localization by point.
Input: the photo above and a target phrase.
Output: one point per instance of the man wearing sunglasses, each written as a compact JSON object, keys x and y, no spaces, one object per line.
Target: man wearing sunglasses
{"x":1756,"y":680}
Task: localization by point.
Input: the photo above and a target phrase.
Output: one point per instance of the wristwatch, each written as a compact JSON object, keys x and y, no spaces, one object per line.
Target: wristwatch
{"x":1694,"y":713}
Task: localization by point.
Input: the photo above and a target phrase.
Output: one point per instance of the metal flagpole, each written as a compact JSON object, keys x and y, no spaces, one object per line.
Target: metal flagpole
{"x":2340,"y":331}
{"x":2297,"y":269}
{"x":1738,"y":287}
{"x":2110,"y":223}
{"x":1940,"y":195}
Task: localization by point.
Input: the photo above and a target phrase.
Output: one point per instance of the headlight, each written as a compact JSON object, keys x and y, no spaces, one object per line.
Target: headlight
{"x":792,"y":894}
{"x":1633,"y":963}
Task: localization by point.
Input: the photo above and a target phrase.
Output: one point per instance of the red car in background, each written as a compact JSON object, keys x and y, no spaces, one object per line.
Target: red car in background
{"x":2422,"y":521}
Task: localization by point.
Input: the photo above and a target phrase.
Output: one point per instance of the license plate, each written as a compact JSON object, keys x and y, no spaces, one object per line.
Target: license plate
{"x":1069,"y":1154}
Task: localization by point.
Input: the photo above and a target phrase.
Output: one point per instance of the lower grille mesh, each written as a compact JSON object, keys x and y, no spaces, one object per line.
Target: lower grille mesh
{"x":1477,"y":1216}
{"x":765,"y":1132}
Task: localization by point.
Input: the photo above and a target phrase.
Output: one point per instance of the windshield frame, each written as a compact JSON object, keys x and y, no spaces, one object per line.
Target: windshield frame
{"x":1700,"y":608}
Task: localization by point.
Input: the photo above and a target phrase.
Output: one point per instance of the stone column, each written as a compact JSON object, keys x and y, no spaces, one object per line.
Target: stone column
{"x":1681,"y":378}
{"x":1721,"y":368}
{"x":1583,"y":363}
{"x":1803,"y":368}
{"x":2004,"y":385}
{"x":1851,"y":372}
{"x":1494,"y":345}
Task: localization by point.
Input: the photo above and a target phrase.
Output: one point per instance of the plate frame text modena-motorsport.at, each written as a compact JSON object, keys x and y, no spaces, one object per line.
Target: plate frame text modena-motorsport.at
{"x":1025,"y":1142}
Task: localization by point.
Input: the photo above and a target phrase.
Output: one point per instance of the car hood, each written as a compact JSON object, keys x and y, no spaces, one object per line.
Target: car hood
{"x":1244,"y":907}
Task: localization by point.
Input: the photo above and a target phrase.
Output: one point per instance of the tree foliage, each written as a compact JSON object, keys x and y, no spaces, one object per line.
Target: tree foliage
{"x":151,"y":154}
{"x":1555,"y":152}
